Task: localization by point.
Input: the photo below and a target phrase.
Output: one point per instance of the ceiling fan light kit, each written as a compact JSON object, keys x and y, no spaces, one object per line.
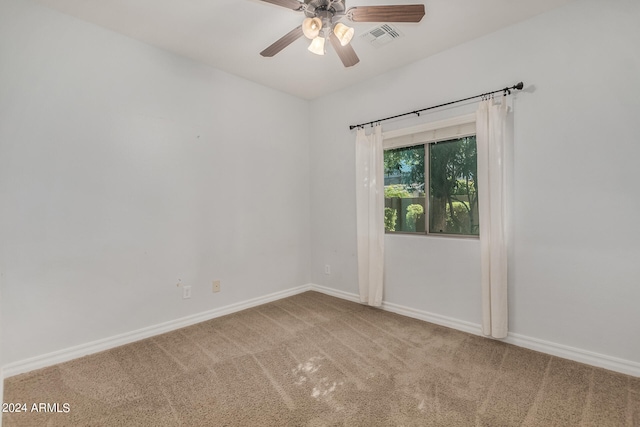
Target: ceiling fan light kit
{"x":317,"y":46}
{"x":343,"y":33}
{"x":322,"y":22}
{"x":311,"y":27}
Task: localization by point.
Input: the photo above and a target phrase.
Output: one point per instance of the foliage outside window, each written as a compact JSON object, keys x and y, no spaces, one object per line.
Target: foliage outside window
{"x":432,"y":188}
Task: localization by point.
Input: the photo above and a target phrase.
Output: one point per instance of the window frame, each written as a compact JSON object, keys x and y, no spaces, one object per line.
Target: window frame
{"x":427,"y":134}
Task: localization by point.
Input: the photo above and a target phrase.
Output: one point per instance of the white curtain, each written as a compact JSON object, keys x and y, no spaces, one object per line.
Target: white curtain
{"x":493,"y":142}
{"x":370,"y":214}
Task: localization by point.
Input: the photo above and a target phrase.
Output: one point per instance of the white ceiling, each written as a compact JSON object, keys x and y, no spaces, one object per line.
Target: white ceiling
{"x":229,"y":34}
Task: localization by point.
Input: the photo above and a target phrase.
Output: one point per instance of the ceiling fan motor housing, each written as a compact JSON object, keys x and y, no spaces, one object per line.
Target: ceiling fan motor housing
{"x":324,"y":9}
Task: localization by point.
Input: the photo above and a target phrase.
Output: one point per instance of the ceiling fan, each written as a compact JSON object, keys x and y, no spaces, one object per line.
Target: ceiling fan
{"x":322,"y":23}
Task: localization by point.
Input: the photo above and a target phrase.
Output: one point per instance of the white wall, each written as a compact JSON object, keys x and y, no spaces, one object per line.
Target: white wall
{"x":124,"y":169}
{"x":574,"y":263}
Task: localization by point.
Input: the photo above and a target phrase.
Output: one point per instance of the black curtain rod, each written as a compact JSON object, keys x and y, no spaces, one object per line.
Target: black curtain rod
{"x":506,"y":91}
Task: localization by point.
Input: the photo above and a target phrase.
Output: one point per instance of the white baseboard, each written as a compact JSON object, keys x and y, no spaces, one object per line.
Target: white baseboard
{"x":576,"y":354}
{"x":71,"y":353}
{"x":571,"y":353}
{"x":449,"y":322}
{"x":336,"y":293}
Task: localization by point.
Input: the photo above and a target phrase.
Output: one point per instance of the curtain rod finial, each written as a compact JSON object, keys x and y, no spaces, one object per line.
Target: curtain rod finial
{"x":519,"y":86}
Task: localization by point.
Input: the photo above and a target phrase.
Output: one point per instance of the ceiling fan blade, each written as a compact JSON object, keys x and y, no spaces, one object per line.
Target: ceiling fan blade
{"x":346,"y":53}
{"x":289,"y":4}
{"x":283,"y":42}
{"x":398,"y":13}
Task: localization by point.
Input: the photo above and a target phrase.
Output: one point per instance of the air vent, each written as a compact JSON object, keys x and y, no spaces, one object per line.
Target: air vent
{"x":382,"y":35}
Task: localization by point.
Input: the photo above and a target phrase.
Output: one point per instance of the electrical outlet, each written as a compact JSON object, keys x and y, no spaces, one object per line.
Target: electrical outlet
{"x":186,"y":292}
{"x":327,"y":269}
{"x":216,"y":286}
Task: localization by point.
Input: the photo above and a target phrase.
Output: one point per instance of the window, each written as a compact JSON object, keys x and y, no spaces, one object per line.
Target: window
{"x":431,"y":187}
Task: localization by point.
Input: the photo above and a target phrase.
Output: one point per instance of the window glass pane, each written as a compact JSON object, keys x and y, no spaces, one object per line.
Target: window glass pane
{"x":404,"y":199}
{"x":453,"y":207}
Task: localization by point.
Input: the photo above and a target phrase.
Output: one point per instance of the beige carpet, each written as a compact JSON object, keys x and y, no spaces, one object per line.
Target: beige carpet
{"x":314,"y":360}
